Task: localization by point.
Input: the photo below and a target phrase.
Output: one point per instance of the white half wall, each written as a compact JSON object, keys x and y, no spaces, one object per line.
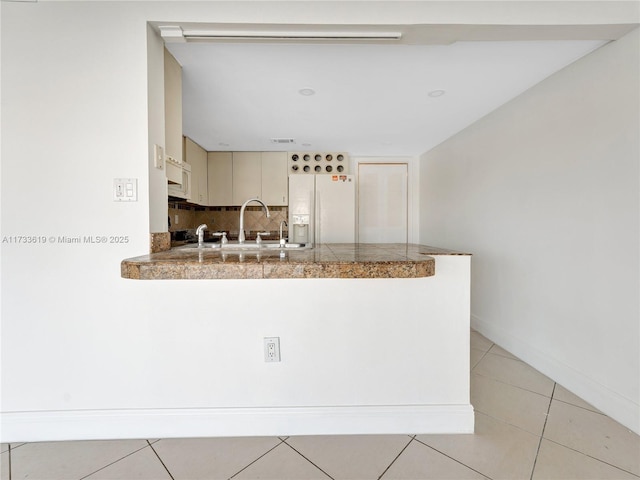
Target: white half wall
{"x":544,"y":192}
{"x":188,"y":360}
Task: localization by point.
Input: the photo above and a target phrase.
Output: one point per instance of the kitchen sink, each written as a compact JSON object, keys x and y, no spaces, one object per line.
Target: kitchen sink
{"x":232,"y":246}
{"x":286,"y":245}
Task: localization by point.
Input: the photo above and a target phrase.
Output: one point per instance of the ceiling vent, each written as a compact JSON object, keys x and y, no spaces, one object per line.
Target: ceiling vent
{"x":283,"y":140}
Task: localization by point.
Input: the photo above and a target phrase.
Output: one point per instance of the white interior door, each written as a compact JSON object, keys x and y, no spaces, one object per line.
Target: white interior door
{"x":382,"y":202}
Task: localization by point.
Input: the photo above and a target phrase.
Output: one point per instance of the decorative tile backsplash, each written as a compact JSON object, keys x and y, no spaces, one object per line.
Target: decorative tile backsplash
{"x":227,"y":219}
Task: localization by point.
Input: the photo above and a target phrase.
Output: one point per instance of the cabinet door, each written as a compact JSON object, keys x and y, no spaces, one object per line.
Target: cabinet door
{"x":196,"y":156}
{"x":247,"y":176}
{"x":219,"y":178}
{"x":274,"y":178}
{"x":172,"y":107}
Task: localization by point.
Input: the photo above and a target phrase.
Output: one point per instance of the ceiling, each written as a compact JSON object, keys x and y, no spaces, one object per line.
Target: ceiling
{"x":369,"y":98}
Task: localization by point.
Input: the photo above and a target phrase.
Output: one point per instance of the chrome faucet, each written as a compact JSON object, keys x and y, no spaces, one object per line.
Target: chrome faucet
{"x":241,"y":236}
{"x":282,"y":242}
{"x":200,"y":232}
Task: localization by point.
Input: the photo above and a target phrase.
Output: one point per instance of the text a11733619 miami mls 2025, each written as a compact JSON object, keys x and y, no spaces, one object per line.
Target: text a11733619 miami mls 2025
{"x":64,"y":239}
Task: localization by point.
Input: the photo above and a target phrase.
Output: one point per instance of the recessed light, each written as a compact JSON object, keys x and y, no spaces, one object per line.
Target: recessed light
{"x":436,"y":93}
{"x":307,"y":92}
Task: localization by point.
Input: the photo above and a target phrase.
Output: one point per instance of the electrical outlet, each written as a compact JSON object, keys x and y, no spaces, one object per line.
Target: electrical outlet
{"x":272,"y":349}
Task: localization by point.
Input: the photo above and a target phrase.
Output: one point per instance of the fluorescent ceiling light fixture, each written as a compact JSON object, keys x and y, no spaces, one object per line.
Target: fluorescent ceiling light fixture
{"x":175,"y":33}
{"x":172,"y":33}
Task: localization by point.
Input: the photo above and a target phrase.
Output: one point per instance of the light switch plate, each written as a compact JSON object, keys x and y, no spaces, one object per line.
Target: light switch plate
{"x":125,"y":189}
{"x":158,"y":157}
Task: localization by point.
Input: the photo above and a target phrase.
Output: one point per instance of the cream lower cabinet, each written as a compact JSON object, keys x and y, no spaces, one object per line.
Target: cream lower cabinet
{"x":220,"y":178}
{"x":196,"y":156}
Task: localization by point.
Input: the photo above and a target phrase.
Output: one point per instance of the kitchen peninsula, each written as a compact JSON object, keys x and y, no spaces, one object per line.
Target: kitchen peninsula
{"x":374,"y":338}
{"x":323,"y":261}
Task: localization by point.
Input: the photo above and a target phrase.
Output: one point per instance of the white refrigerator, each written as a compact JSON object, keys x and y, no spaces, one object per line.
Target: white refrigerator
{"x":322,"y":208}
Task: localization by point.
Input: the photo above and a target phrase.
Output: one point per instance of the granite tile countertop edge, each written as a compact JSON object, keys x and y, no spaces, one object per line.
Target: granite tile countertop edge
{"x":323,"y":261}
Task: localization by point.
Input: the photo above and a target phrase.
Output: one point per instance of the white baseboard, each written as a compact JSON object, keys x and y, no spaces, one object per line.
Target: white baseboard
{"x":609,"y":402}
{"x":231,"y":422}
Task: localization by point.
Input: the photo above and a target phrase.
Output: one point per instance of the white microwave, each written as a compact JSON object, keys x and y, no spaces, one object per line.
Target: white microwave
{"x":178,"y":178}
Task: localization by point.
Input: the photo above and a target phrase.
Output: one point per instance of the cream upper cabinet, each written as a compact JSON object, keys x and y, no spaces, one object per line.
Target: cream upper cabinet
{"x":172,"y":107}
{"x":196,"y":156}
{"x":235,"y":177}
{"x":247,"y":176}
{"x":220,"y":178}
{"x":260,"y":175}
{"x":275,"y":185}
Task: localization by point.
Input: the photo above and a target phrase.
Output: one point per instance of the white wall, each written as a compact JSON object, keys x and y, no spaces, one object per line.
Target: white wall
{"x":544,"y":193}
{"x":157,"y":177}
{"x":74,"y":111}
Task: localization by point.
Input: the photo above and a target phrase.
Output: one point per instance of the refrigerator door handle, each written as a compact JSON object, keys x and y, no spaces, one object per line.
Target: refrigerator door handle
{"x":317,"y":221}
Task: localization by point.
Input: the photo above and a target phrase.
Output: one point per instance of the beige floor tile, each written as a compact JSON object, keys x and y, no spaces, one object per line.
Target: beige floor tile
{"x":496,"y":350}
{"x":515,"y":406}
{"x":209,"y":458}
{"x":421,"y":462}
{"x":514,"y":372}
{"x":68,"y":460}
{"x":282,"y":463}
{"x":566,"y":396}
{"x":4,"y":465}
{"x":497,"y":450}
{"x":476,"y":356}
{"x":593,"y":434}
{"x":351,"y":456}
{"x":480,"y":342}
{"x":141,"y":465}
{"x":556,"y":462}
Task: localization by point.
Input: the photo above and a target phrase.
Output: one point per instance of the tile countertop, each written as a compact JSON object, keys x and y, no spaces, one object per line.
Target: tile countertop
{"x":336,"y":260}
